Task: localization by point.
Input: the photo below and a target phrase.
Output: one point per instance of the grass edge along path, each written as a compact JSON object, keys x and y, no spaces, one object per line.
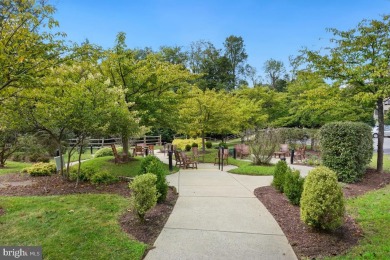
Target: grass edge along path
{"x":372,"y":213}
{"x":69,"y":226}
{"x":244,"y":167}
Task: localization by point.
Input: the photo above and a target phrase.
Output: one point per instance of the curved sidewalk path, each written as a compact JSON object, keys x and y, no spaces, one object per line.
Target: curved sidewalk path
{"x":217,"y":217}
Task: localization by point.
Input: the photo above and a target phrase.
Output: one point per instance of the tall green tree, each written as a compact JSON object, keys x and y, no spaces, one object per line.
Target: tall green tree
{"x":236,"y":54}
{"x":213,"y":68}
{"x":28,"y":47}
{"x":313,"y":102}
{"x":209,"y":111}
{"x":273,"y":104}
{"x":359,"y":59}
{"x":275,"y":71}
{"x":150,"y":84}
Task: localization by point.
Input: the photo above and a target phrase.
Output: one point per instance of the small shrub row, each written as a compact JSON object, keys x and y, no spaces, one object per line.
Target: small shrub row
{"x":41,"y":169}
{"x":90,"y":174}
{"x":182,"y":143}
{"x":288,"y":181}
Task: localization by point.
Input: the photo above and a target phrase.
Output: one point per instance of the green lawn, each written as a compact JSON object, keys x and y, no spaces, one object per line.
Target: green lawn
{"x":13,"y":167}
{"x":386,"y":162}
{"x":254,"y":170}
{"x":69,"y":227}
{"x":372,"y":212}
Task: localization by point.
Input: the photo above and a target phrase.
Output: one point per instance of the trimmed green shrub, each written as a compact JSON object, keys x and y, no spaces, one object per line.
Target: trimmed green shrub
{"x":346,"y":148}
{"x":159,"y":170}
{"x":106,"y":151}
{"x":293,"y":186}
{"x":144,"y":195}
{"x":188,"y":147}
{"x":41,"y":169}
{"x":103,"y":177}
{"x":279,"y":175}
{"x":146,"y":161}
{"x":86,"y":173}
{"x":322,"y":202}
{"x":194,"y":145}
{"x":209,"y":144}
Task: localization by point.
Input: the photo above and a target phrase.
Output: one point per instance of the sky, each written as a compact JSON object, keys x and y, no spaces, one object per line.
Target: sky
{"x":270,"y":29}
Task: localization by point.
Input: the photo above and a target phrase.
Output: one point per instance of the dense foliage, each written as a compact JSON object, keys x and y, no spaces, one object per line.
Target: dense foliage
{"x":347,"y":148}
{"x":293,"y":186}
{"x":279,"y":175}
{"x":322,"y":201}
{"x":144,"y":194}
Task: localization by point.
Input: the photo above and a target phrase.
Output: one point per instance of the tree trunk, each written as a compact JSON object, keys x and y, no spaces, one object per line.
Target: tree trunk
{"x":381,"y":130}
{"x":203,"y":144}
{"x":125,"y":143}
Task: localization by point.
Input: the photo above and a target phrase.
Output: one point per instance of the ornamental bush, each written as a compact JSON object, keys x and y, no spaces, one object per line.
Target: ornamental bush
{"x":103,"y":177}
{"x":41,"y":169}
{"x":188,"y":147}
{"x":144,"y":194}
{"x":195,"y":145}
{"x":85,"y":174}
{"x":322,"y":203}
{"x":346,"y":148}
{"x":209,"y":144}
{"x":146,"y":161}
{"x":279,"y":175}
{"x":159,"y":170}
{"x":181,"y":143}
{"x":293,"y":186}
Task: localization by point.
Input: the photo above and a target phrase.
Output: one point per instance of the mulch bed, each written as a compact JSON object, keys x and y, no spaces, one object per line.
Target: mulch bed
{"x":314,"y":244}
{"x":55,"y":185}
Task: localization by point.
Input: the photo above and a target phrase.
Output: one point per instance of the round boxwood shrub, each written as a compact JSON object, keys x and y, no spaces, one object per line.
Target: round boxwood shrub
{"x":146,"y":161}
{"x":188,"y":147}
{"x":194,"y":145}
{"x":322,"y":203}
{"x":293,"y":186}
{"x":159,"y":170}
{"x":279,"y":175}
{"x":144,"y":194}
{"x":346,"y":148}
{"x":209,"y":144}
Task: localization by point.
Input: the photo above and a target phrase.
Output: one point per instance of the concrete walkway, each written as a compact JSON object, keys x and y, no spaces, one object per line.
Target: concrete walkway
{"x":217,"y":217}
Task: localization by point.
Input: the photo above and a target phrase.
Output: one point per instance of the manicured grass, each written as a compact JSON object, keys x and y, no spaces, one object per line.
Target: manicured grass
{"x":372,"y":213}
{"x":386,"y":162}
{"x":69,"y":227}
{"x":129,"y":169}
{"x":254,"y":170}
{"x":13,"y":167}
